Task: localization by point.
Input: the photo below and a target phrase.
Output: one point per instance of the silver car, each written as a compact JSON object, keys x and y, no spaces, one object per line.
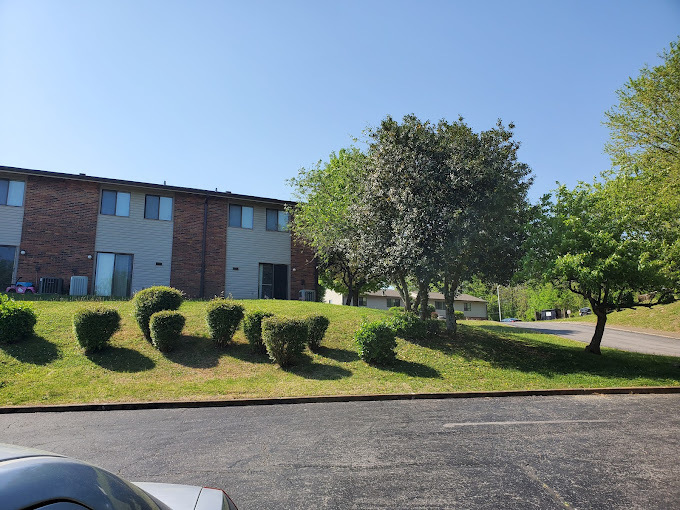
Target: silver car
{"x":33,"y":479}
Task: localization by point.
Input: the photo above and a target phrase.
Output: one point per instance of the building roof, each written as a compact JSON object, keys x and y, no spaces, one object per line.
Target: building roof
{"x":433,"y":296}
{"x":120,"y":182}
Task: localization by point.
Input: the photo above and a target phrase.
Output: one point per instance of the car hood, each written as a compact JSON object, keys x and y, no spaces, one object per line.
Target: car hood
{"x":191,"y":497}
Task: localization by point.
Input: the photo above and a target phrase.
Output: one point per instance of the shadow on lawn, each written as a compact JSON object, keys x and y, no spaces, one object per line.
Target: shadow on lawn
{"x":505,"y":348}
{"x":412,"y":369}
{"x":341,"y":355}
{"x":121,"y":359}
{"x":309,"y":370}
{"x":196,"y":352}
{"x":35,"y":350}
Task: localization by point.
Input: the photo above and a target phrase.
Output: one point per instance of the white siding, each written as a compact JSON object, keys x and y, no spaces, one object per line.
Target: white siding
{"x":246,"y":249}
{"x":11,"y":220}
{"x":478,"y":309}
{"x":149,"y":241}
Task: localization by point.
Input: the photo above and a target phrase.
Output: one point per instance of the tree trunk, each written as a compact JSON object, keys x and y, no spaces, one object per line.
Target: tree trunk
{"x":356,"y":295}
{"x":423,"y":292}
{"x":449,"y":298}
{"x":402,"y":287}
{"x":594,"y":345}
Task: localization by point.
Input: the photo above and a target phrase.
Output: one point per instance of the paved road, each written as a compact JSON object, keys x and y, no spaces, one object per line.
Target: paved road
{"x":618,"y":339}
{"x":520,"y":452}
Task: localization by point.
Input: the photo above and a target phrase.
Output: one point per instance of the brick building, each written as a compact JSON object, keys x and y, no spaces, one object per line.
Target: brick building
{"x":125,"y":236}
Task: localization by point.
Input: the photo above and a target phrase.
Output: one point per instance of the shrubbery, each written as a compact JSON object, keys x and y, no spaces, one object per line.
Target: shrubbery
{"x":376,"y":343}
{"x":154,"y":299}
{"x":409,"y":326}
{"x":223,"y":318}
{"x":284,"y":338}
{"x":166,"y":328}
{"x":94,"y":327}
{"x":16,"y":320}
{"x":460,"y":316}
{"x":316,"y":329}
{"x":252,"y":327}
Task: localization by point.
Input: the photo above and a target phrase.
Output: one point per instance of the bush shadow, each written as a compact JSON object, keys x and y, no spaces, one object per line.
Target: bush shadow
{"x":506,"y":348}
{"x":245,"y":352}
{"x":309,"y":370}
{"x":341,"y":355}
{"x":121,"y":359}
{"x":34,"y":349}
{"x":412,"y":369}
{"x":196,"y":352}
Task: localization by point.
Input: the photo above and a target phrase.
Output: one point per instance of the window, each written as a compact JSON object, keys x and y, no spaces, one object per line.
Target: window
{"x":393,"y":302}
{"x":467,"y":307}
{"x":240,"y":216}
{"x":12,"y":192}
{"x":273,"y":281}
{"x":439,"y":305}
{"x":362,"y":301}
{"x":158,"y":208}
{"x":115,"y":203}
{"x":277,"y":220}
{"x":113,"y":274}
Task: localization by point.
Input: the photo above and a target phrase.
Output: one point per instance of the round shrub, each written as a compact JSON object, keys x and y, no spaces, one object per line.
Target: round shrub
{"x":252,"y":327}
{"x":284,"y":338}
{"x":316,"y":329}
{"x":94,"y":327}
{"x":154,"y":299}
{"x":16,"y":320}
{"x":460,"y":316}
{"x":223,"y":318}
{"x":166,"y":328}
{"x":376,"y":343}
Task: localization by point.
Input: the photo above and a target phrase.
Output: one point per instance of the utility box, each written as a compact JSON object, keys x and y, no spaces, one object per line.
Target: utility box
{"x":50,"y":285}
{"x":548,"y":315}
{"x":78,"y":286}
{"x":307,"y":295}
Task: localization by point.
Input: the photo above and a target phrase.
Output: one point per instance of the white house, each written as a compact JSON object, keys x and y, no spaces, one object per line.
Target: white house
{"x":472,"y":307}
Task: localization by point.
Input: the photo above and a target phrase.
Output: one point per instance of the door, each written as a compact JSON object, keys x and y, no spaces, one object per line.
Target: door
{"x":113,"y":274}
{"x":273,"y":281}
{"x":7,"y":254}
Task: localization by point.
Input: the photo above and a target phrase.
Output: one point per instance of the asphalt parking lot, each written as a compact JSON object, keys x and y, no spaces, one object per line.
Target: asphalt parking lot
{"x":617,"y":451}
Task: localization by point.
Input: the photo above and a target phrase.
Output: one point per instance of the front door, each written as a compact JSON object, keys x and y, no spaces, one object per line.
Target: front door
{"x":7,"y":254}
{"x":273,"y":281}
{"x":113,"y":274}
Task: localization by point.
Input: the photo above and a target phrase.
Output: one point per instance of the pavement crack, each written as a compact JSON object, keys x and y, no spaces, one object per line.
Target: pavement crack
{"x":531,"y":473}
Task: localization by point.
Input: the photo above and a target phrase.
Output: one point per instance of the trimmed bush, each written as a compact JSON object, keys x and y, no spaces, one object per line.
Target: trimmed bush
{"x":166,"y":328}
{"x":252,"y":327}
{"x":16,"y":320}
{"x":94,"y":327}
{"x":409,"y":326}
{"x":284,"y":338}
{"x":154,"y":299}
{"x":376,"y":343}
{"x":223,"y":318}
{"x":460,"y":316}
{"x":316,"y":329}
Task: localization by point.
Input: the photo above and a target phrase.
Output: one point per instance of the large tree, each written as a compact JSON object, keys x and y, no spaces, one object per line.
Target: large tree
{"x":321,"y":219}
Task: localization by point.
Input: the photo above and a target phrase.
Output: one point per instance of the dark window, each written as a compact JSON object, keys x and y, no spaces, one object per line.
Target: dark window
{"x":439,"y":305}
{"x":277,"y":220}
{"x":273,"y":281}
{"x":240,"y":216}
{"x":393,"y":302}
{"x":362,"y":301}
{"x":158,"y":208}
{"x":12,"y":192}
{"x":115,"y":203}
{"x":467,"y":307}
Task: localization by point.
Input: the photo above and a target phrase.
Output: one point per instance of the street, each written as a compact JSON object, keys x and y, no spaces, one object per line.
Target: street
{"x":516,"y":452}
{"x":615,"y":338}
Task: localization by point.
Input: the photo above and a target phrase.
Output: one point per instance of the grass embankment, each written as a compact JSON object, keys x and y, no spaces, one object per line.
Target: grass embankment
{"x":51,"y":367}
{"x":655,"y":318}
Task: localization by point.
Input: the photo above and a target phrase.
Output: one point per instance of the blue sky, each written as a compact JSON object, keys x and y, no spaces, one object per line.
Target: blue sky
{"x":239,"y":95}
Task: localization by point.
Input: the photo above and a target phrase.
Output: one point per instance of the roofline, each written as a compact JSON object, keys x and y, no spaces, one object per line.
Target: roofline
{"x":148,"y":185}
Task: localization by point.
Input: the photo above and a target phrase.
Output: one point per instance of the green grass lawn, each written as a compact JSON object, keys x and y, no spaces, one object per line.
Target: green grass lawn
{"x":51,"y":367}
{"x":658,"y":317}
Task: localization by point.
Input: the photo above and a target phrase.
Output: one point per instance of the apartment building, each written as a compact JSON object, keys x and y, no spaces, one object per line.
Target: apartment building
{"x":124,"y":236}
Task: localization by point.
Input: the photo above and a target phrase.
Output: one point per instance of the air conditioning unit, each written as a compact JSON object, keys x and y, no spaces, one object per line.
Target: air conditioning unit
{"x":307,"y":295}
{"x":50,"y":285}
{"x":78,"y":286}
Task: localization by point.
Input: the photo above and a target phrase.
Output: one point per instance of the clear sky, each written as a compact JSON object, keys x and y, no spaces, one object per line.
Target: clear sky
{"x":239,"y":95}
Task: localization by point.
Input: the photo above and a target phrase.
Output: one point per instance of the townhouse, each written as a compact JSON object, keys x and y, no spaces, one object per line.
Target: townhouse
{"x":110,"y":237}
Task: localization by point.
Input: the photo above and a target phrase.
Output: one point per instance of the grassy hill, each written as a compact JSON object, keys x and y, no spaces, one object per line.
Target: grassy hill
{"x":658,"y":317}
{"x":51,"y":367}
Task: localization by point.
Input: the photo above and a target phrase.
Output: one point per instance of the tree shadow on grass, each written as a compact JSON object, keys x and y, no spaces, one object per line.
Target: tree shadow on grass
{"x":506,"y":348}
{"x":196,"y":352}
{"x":412,"y":369}
{"x":341,"y":355}
{"x":121,"y":359}
{"x":306,"y":368}
{"x":35,"y":350}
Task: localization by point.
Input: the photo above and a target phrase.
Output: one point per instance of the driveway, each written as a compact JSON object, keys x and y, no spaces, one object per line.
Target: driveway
{"x":586,"y":452}
{"x":616,"y":338}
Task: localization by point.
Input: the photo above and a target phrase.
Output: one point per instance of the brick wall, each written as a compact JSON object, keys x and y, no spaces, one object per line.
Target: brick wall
{"x":303,"y":268}
{"x":187,"y":245}
{"x":58,"y":233}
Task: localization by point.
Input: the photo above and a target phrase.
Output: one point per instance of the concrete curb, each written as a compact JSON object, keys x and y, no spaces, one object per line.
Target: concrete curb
{"x":128,"y":406}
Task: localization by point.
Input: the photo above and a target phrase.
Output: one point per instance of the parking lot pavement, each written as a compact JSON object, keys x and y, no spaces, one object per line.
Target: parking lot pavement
{"x":615,"y":451}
